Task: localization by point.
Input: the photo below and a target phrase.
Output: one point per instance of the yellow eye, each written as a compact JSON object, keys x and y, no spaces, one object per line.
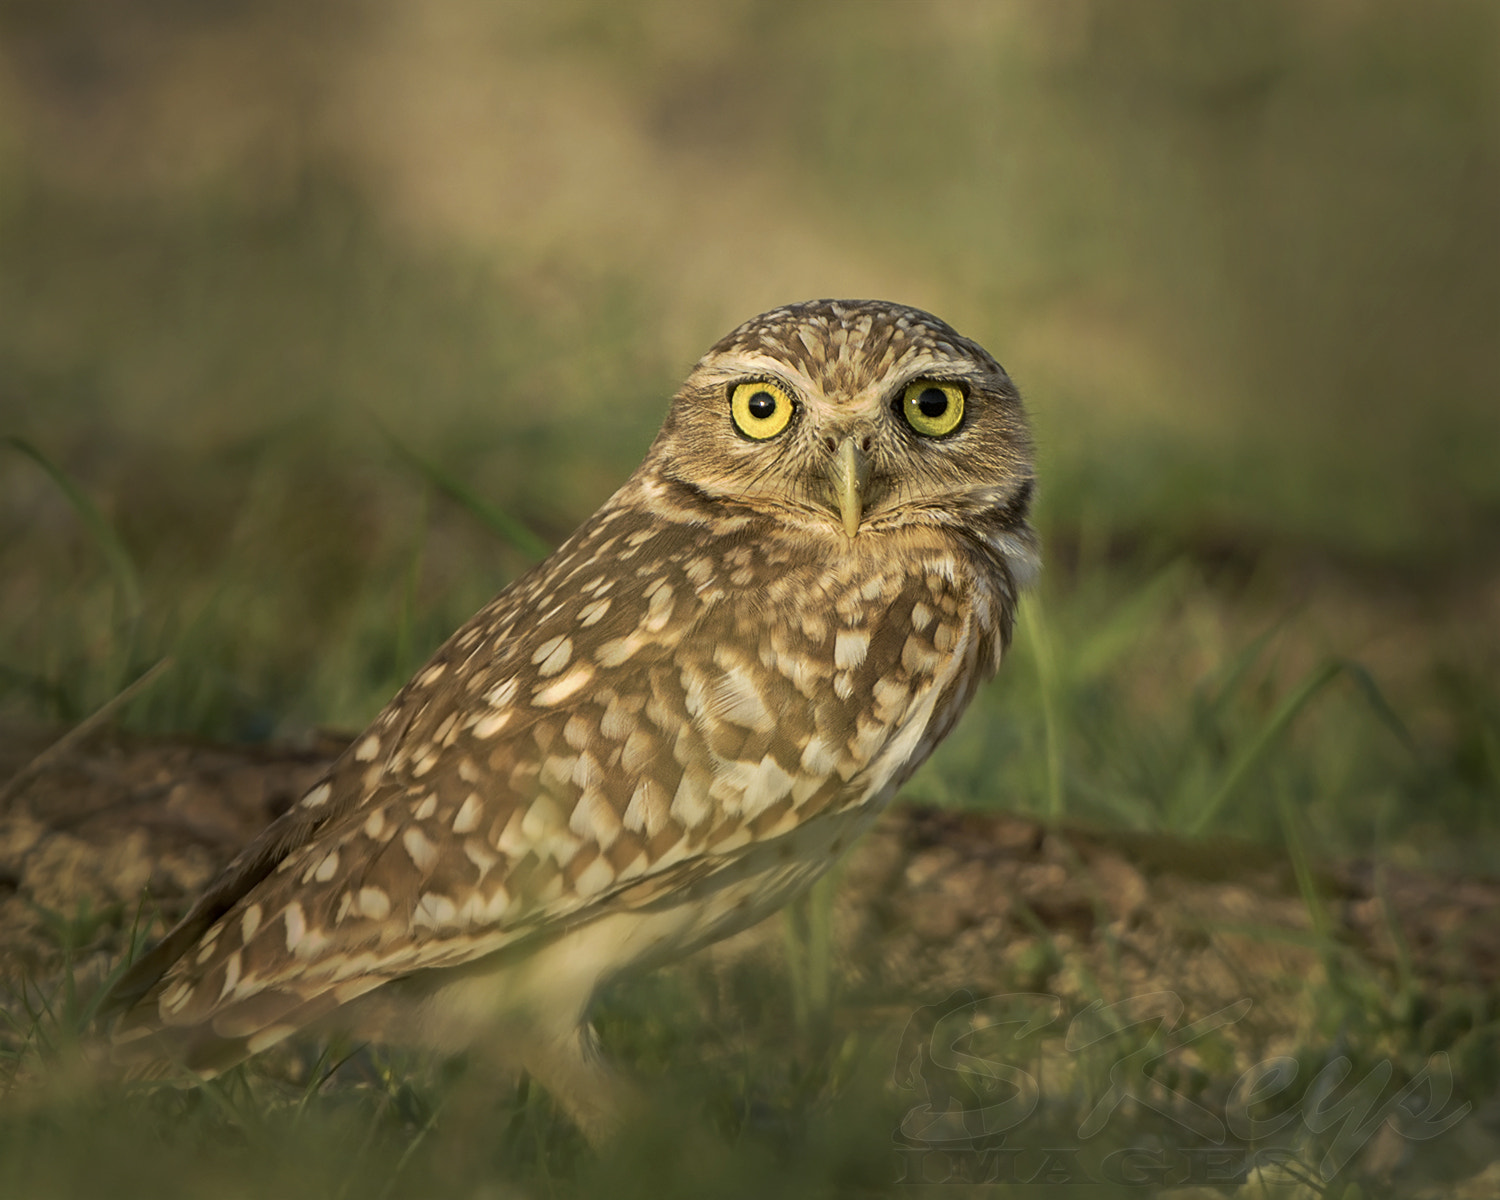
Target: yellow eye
{"x":761,"y":409}
{"x":932,"y":407}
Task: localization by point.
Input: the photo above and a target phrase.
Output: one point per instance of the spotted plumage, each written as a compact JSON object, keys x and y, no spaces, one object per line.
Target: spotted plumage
{"x":656,"y":737}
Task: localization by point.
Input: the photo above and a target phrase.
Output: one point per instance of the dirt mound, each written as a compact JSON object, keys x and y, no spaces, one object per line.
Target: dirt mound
{"x":128,"y":827}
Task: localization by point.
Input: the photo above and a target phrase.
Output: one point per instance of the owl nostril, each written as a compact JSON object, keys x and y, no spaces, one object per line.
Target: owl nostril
{"x":830,"y":443}
{"x":865,"y":445}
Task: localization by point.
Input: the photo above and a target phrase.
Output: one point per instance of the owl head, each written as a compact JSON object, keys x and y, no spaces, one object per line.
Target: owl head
{"x":851,"y":417}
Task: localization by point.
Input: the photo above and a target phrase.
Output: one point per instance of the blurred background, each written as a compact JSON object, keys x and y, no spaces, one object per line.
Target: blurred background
{"x":320,"y":321}
{"x":316,"y":317}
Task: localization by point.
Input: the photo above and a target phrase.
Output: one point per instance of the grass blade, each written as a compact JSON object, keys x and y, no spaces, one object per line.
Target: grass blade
{"x":491,"y":516}
{"x":1286,"y":712}
{"x":70,"y":741}
{"x":1232,"y":676}
{"x":1252,"y":753}
{"x":1035,"y":625}
{"x":1119,"y":632}
{"x":121,"y":565}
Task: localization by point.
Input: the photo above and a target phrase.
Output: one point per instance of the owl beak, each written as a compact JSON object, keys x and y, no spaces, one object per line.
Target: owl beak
{"x":849,"y":473}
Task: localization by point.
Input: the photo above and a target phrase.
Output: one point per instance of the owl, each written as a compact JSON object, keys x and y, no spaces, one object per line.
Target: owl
{"x":657,"y":737}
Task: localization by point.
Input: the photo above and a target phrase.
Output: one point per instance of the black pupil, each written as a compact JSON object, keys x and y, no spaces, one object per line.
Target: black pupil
{"x":762,"y":405}
{"x":933,"y":402}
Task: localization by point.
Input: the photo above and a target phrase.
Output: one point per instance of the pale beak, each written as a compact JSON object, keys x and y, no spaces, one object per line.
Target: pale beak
{"x":849,"y":473}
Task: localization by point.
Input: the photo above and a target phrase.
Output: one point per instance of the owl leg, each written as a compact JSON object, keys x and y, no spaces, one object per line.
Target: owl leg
{"x":557,"y":1049}
{"x":577,"y":1076}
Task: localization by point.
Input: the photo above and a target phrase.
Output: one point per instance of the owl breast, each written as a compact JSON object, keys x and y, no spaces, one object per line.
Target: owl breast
{"x":792,"y":693}
{"x":792,"y":680}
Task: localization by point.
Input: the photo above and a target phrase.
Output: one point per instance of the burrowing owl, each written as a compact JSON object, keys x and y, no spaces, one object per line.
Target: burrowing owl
{"x":655,"y":738}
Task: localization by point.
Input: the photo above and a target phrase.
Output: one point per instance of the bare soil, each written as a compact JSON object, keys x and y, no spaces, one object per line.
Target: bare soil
{"x":113,"y":839}
{"x":930,"y":898}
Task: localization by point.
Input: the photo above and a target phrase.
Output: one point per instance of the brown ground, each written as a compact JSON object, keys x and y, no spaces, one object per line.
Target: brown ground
{"x":932,"y":899}
{"x":930,"y":896}
{"x":120,"y":832}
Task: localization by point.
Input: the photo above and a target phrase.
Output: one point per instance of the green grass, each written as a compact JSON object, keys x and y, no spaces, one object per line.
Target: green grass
{"x":286,"y":426}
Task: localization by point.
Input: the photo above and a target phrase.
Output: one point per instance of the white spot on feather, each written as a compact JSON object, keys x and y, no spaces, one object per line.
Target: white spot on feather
{"x":918,"y":658}
{"x":232,"y":967}
{"x":659,"y":610}
{"x":374,"y":903}
{"x":594,"y":820}
{"x":850,"y":648}
{"x":617,"y":722}
{"x":890,"y":699}
{"x":296,"y":925}
{"x":425,"y":762}
{"x":818,"y":757}
{"x":553,"y":655}
{"x":176,"y":996}
{"x":482,"y":859}
{"x":502,"y":693}
{"x":595,"y":877}
{"x":557,"y":692}
{"x":689,"y":804}
{"x":466,"y":820}
{"x":592,"y":614}
{"x":513,"y":840}
{"x":647,"y":811}
{"x":434,"y":911}
{"x":423,"y":854}
{"x":763,"y":784}
{"x":489,"y":726}
{"x":269,"y":1037}
{"x":495,"y":908}
{"x":619,"y":650}
{"x":735,"y":698}
{"x":318,"y":796}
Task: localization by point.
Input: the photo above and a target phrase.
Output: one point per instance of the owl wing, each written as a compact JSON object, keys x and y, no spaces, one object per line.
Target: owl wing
{"x":633,"y":714}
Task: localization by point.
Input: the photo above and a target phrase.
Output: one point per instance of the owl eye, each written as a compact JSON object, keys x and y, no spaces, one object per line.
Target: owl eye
{"x":931,"y":407}
{"x":760,"y":409}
